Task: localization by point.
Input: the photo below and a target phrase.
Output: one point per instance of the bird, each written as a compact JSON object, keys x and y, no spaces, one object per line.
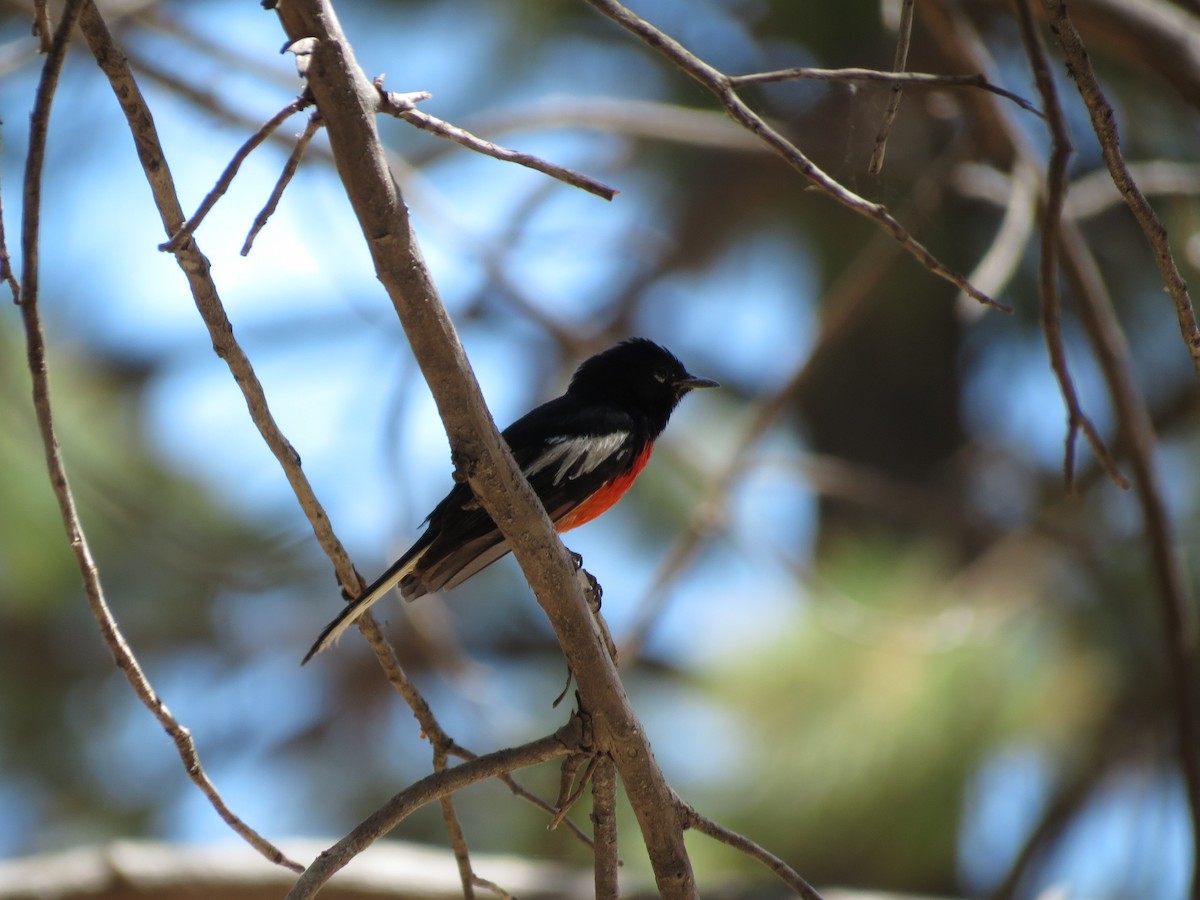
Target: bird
{"x":580,"y":452}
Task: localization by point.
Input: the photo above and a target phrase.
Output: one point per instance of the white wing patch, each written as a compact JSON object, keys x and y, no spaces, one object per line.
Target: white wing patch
{"x":577,"y":456}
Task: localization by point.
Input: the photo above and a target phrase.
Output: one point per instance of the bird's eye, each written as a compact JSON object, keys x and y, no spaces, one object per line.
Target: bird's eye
{"x":661,"y":375}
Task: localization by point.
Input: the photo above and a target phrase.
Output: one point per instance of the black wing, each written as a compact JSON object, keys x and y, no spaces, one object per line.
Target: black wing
{"x":567,"y":453}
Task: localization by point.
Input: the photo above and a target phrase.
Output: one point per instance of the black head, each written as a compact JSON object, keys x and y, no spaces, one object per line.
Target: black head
{"x":637,"y":375}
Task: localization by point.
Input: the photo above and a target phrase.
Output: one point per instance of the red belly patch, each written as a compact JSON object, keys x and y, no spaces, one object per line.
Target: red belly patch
{"x":608,"y":494}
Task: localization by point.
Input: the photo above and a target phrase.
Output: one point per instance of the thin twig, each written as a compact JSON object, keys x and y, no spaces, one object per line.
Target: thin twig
{"x":180,"y":237}
{"x":41,"y":26}
{"x":458,"y":841}
{"x":721,"y":87}
{"x":426,"y":790}
{"x":6,"y":270}
{"x":568,"y":802}
{"x":914,"y":79}
{"x":285,"y":177}
{"x":903,"y":41}
{"x":1056,"y":180}
{"x":1168,"y":568}
{"x":525,"y":794}
{"x":786,"y":873}
{"x":492,"y":887}
{"x":1104,"y":123}
{"x":604,"y":824}
{"x":77,"y":537}
{"x":400,"y":106}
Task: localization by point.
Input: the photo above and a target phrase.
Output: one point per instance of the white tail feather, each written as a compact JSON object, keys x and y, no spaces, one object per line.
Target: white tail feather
{"x":357,"y":607}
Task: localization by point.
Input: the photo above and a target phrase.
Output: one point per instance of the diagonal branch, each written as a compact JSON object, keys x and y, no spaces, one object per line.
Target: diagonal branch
{"x":1104,"y":123}
{"x":180,"y":237}
{"x":903,"y":42}
{"x":113,"y":63}
{"x":1052,"y":215}
{"x":1167,"y":565}
{"x":285,"y":177}
{"x":786,"y":873}
{"x":348,"y":102}
{"x":77,"y":537}
{"x":396,"y":105}
{"x":721,"y":86}
{"x":430,"y":788}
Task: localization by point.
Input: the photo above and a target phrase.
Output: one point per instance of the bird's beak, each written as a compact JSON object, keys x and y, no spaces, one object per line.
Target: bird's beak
{"x":691,"y":382}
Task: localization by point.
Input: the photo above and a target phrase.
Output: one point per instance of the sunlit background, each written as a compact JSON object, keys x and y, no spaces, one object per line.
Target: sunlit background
{"x":865,"y":624}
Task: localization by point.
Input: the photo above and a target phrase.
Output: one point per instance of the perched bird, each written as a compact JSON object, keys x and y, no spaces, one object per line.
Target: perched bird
{"x":580,"y":452}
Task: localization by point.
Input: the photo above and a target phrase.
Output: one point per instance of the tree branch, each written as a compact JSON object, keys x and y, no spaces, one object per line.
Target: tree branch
{"x":393,"y":104}
{"x":786,"y":873}
{"x":604,"y":825}
{"x":226,"y":179}
{"x":432,"y":787}
{"x":1105,"y":125}
{"x":721,"y":86}
{"x":903,"y":42}
{"x":77,"y":537}
{"x":897,"y":79}
{"x":285,"y":177}
{"x":1052,"y":215}
{"x":1175,"y":599}
{"x":1167,"y":567}
{"x":348,"y":102}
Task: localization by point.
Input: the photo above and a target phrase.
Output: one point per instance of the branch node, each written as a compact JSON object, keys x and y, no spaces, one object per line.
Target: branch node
{"x":395,"y":103}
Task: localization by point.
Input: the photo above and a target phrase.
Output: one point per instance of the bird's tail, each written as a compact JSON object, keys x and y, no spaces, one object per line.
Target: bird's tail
{"x":398,"y":571}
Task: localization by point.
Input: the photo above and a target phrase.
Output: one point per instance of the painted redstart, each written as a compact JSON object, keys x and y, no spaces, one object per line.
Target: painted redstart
{"x":580,"y":452}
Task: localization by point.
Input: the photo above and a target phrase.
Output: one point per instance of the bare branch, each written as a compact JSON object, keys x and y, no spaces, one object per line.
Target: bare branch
{"x":1105,"y":125}
{"x":348,"y":101}
{"x":897,"y":91}
{"x":1176,"y":601}
{"x":189,"y":227}
{"x":1108,"y":342}
{"x":786,"y":873}
{"x":1056,"y":180}
{"x":285,"y":177}
{"x":41,"y":26}
{"x":914,"y":79}
{"x":458,"y":841}
{"x":721,"y":86}
{"x":6,"y":270}
{"x":604,"y":823}
{"x":431,"y":787}
{"x":77,"y":537}
{"x":400,"y":106}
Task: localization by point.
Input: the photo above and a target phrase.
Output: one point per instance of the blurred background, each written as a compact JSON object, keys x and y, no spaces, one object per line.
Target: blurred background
{"x":861,"y":617}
